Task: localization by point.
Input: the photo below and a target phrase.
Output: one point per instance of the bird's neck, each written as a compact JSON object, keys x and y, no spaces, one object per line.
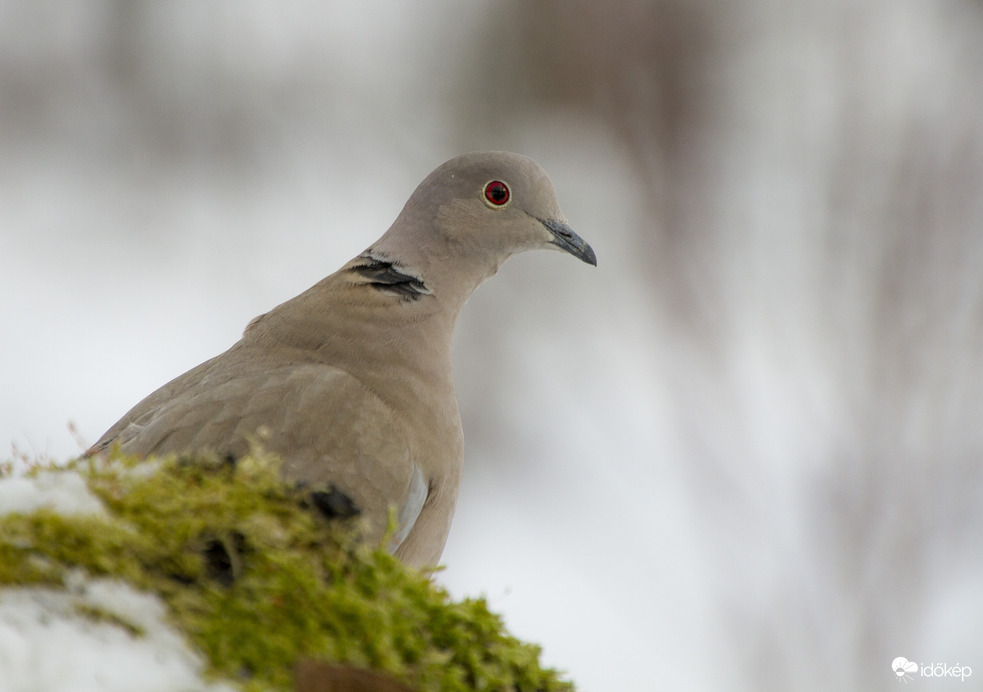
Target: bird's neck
{"x":370,"y":318}
{"x":447,"y":266}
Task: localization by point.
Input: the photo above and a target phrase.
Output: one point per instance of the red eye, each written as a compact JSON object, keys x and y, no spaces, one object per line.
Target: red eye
{"x":497,"y":193}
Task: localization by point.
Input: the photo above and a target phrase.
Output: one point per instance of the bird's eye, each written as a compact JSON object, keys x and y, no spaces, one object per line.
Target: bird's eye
{"x":497,"y":193}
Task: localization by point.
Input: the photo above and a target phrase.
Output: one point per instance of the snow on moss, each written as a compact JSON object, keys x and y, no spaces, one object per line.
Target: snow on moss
{"x":253,"y":578}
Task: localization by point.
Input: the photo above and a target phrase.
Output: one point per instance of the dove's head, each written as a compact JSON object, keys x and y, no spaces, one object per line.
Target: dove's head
{"x":474,"y":212}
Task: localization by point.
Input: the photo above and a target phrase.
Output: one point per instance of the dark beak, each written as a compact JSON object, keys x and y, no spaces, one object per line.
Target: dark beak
{"x":565,"y":239}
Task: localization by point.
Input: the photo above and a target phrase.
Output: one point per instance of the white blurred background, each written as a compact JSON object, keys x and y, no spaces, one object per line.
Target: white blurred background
{"x":744,"y":453}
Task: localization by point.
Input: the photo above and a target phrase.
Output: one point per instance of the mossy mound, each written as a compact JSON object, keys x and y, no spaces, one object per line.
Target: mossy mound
{"x":259,"y":582}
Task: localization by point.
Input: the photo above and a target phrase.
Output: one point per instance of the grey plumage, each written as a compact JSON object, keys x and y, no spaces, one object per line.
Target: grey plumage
{"x":350,"y":382}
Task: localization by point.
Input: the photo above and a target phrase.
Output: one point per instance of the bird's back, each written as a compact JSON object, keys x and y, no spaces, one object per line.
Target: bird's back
{"x":331,"y":428}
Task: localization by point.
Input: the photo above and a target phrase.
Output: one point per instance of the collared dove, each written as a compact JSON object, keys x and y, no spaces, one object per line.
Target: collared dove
{"x":350,"y":382}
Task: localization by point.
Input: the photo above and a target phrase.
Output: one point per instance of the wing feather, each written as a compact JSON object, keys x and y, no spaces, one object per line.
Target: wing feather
{"x":338,"y":433}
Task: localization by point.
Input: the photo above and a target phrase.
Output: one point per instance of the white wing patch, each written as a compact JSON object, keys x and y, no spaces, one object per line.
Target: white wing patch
{"x":416,"y":496}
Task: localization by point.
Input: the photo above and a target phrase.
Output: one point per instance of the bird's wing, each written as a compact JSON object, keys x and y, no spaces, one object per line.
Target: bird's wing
{"x":150,"y":405}
{"x":328,"y":428}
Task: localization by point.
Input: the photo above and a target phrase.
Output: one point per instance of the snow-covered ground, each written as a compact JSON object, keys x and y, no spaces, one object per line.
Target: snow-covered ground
{"x":48,"y":639}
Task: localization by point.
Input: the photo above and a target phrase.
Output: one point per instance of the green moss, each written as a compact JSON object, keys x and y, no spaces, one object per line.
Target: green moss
{"x":258,"y":582}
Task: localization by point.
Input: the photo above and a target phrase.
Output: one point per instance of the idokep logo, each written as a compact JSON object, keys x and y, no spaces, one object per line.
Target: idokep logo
{"x":905,"y":669}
